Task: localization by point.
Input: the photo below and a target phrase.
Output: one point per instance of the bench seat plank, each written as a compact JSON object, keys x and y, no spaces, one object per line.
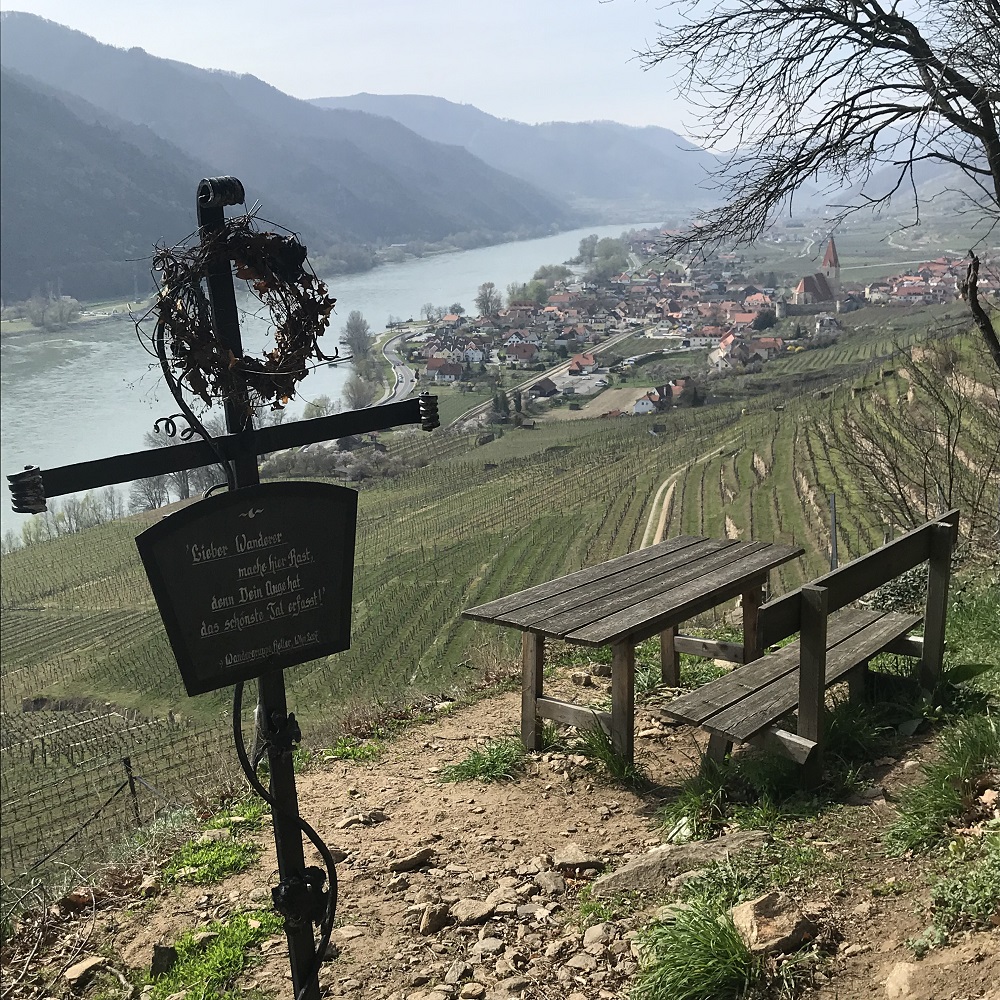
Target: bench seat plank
{"x":753,"y":697}
{"x":766,"y":706}
{"x":704,"y":702}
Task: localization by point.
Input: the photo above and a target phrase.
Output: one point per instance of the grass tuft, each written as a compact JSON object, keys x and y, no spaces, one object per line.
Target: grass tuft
{"x":250,"y":814}
{"x":594,"y":911}
{"x":211,"y":861}
{"x":700,"y":956}
{"x":353,"y":748}
{"x":699,"y":808}
{"x":724,"y":884}
{"x":966,"y":899}
{"x":969,"y":898}
{"x":969,"y":761}
{"x":211,"y":969}
{"x":598,"y":746}
{"x":499,"y":760}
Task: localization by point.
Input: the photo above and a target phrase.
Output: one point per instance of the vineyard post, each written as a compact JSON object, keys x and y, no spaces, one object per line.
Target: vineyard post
{"x":833,"y":531}
{"x":127,"y":764}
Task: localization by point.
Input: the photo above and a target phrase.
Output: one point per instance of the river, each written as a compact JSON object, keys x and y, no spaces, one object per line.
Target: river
{"x":92,"y":390}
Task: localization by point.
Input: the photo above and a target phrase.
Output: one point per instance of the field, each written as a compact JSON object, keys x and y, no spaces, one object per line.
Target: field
{"x":88,"y":678}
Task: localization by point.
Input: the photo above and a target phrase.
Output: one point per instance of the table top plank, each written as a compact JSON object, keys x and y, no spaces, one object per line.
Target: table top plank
{"x":656,"y":613}
{"x":561,"y":618}
{"x":496,"y":611}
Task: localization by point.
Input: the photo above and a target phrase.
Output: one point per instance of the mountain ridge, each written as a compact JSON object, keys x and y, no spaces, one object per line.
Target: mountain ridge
{"x":357,"y":180}
{"x":589,"y":163}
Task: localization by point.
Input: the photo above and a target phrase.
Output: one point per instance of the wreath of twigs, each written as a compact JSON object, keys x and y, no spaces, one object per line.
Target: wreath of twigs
{"x":277,"y":273}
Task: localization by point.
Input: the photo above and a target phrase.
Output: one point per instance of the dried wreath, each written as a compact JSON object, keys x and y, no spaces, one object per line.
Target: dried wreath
{"x":277,"y":273}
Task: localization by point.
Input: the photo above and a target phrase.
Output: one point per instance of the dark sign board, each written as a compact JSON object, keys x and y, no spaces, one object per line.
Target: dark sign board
{"x":254,"y":580}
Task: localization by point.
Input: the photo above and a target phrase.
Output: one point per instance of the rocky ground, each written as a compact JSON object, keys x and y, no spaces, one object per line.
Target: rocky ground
{"x":533,"y":888}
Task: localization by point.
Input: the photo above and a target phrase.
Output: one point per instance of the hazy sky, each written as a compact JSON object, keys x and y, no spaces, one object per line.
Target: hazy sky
{"x":533,"y":60}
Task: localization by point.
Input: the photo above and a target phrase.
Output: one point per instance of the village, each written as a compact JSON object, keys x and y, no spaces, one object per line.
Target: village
{"x":571,"y":336}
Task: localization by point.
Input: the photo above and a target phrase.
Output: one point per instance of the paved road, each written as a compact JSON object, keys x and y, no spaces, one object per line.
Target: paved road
{"x":404,"y":380}
{"x":559,"y":369}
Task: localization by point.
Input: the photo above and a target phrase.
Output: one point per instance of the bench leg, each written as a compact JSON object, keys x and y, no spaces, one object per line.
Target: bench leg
{"x":670,"y":660}
{"x":936,"y":607}
{"x":752,"y":598}
{"x":623,"y":699}
{"x":719,"y":748}
{"x":532,"y":662}
{"x":857,"y":682}
{"x":812,"y":677}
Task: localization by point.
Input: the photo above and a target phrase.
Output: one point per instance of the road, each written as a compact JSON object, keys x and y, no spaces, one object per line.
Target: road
{"x":404,"y":378}
{"x":559,"y":369}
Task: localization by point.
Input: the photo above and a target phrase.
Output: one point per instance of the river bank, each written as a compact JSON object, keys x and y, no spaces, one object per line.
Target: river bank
{"x":91,"y":390}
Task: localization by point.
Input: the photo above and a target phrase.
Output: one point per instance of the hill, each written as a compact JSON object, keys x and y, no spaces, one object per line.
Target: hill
{"x":82,"y":206}
{"x":357,"y":178}
{"x":591,"y":164}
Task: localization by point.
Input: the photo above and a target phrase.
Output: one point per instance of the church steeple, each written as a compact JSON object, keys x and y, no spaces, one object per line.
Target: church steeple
{"x":831,"y":267}
{"x":831,"y":259}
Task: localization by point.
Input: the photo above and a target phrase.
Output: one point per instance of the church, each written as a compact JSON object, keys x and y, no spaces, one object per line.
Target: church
{"x":823,"y":287}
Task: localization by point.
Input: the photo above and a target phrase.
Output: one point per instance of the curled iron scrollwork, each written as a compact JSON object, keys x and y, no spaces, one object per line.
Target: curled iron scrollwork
{"x":170,"y":427}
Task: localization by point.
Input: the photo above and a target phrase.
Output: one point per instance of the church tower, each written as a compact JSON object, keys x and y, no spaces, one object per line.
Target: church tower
{"x":831,"y":268}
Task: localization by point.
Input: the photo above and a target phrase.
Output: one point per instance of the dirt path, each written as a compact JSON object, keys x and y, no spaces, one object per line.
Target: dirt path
{"x":656,"y":523}
{"x":494,"y":913}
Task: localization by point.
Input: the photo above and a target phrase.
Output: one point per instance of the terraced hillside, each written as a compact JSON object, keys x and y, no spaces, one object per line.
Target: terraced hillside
{"x":87,"y":676}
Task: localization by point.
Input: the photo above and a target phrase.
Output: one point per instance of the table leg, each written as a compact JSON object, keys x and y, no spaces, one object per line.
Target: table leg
{"x":670,"y":660}
{"x":752,"y":599}
{"x":532,"y":662}
{"x":857,"y":681}
{"x":623,"y":699}
{"x":719,"y":748}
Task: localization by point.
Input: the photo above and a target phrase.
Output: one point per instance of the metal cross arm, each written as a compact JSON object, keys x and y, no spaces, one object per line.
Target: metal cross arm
{"x":31,"y":488}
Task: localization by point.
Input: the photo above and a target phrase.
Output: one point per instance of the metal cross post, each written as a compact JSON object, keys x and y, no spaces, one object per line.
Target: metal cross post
{"x":241,"y":447}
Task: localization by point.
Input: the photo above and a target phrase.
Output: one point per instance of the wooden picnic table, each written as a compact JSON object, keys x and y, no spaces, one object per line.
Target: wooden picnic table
{"x":624,"y":601}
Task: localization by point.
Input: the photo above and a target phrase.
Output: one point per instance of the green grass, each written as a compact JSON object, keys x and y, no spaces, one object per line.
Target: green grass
{"x":499,"y":759}
{"x":974,"y":628}
{"x":212,"y":861}
{"x":596,"y":745}
{"x":778,"y":864}
{"x":250,"y":813}
{"x":700,"y":956}
{"x":592,"y":910}
{"x":967,"y":898}
{"x":696,"y":670}
{"x":945,"y":798}
{"x":210,"y":970}
{"x":352,"y":748}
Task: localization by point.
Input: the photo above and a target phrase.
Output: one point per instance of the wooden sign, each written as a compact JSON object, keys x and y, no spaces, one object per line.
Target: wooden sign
{"x":254,"y":580}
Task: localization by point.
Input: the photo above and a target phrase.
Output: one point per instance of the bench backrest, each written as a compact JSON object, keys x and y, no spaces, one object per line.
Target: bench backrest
{"x":931,"y":542}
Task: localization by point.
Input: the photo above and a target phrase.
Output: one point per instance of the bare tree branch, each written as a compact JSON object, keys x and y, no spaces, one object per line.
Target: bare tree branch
{"x":835,"y":92}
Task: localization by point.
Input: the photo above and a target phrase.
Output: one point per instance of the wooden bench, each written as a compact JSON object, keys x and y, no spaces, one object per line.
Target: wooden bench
{"x":835,"y":643}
